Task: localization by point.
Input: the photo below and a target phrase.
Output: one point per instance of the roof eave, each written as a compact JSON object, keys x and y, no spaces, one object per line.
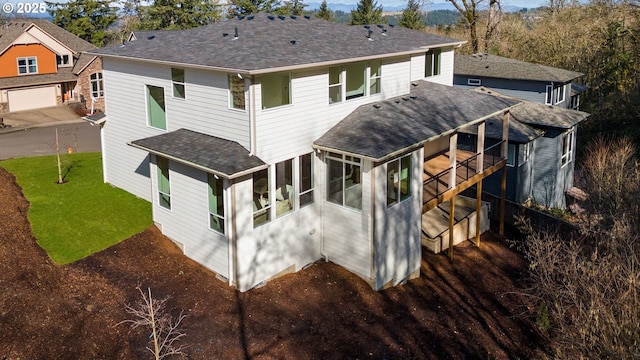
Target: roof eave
{"x":198,"y":166}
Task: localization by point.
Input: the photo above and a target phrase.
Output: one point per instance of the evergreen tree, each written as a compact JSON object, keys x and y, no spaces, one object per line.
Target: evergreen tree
{"x":293,"y":7}
{"x":87,"y":19}
{"x":178,"y":14}
{"x":247,"y":7}
{"x":367,"y":12}
{"x":324,"y":12}
{"x":412,"y":16}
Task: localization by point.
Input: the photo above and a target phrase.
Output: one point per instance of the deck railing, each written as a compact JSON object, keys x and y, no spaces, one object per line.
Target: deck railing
{"x":437,"y":184}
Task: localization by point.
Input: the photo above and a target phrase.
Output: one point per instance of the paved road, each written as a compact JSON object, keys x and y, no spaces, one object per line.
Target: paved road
{"x":41,"y":140}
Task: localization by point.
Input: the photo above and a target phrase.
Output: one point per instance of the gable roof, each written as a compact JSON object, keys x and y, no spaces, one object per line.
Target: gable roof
{"x":83,"y":61}
{"x":267,"y":43}
{"x":381,"y":130}
{"x":485,"y":65}
{"x":11,"y":30}
{"x":210,"y":153}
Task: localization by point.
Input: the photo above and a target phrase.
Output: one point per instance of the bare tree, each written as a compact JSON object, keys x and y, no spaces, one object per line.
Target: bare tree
{"x":165,"y":329}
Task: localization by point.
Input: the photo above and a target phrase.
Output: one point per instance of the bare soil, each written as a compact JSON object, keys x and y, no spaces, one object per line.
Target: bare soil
{"x":465,"y":309}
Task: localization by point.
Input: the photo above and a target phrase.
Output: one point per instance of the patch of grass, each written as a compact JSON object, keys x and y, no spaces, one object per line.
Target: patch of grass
{"x":82,"y":216}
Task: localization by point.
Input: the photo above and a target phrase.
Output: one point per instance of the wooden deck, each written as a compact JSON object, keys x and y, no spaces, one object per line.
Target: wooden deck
{"x":436,"y":173}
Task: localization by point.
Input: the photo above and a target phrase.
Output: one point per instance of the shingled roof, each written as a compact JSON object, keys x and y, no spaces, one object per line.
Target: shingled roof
{"x":63,"y":74}
{"x":270,"y":43}
{"x":210,"y":153}
{"x":485,"y":65}
{"x":379,"y":131}
{"x":13,"y":29}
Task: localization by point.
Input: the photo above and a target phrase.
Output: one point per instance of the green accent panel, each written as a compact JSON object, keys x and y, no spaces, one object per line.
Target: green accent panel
{"x":155,"y":107}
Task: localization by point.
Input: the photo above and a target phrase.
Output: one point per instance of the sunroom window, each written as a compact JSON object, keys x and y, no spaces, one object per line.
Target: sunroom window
{"x":305,"y":167}
{"x":344,"y":180}
{"x":398,"y":180}
{"x":276,"y":90}
{"x":285,"y":194}
{"x":261,"y":201}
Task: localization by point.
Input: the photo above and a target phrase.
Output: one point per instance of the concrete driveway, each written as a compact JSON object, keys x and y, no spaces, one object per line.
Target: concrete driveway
{"x":21,"y":120}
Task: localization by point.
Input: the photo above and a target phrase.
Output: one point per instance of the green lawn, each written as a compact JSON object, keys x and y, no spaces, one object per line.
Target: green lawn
{"x":82,"y":216}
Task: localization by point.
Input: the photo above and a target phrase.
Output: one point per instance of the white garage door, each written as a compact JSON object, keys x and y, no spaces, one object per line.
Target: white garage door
{"x":34,"y":98}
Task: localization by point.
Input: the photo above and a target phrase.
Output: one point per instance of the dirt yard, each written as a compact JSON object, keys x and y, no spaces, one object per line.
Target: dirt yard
{"x":465,"y":309}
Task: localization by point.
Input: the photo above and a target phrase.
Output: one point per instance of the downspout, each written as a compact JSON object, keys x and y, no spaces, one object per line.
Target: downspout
{"x":252,"y":117}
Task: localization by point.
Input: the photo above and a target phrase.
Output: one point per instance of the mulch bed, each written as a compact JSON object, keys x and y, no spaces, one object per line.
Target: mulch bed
{"x":469,"y":308}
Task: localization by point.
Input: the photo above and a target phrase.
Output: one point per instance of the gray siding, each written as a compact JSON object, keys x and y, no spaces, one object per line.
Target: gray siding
{"x":546,"y":174}
{"x":533,"y":91}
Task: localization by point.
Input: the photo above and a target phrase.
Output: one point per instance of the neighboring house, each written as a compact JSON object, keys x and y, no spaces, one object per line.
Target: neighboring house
{"x":541,"y":153}
{"x":522,"y":80}
{"x":43,"y":65}
{"x":542,"y":139}
{"x":267,"y":143}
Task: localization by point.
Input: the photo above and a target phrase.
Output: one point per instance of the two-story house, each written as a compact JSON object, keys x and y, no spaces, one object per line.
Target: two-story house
{"x":266,"y":143}
{"x":43,"y":65}
{"x":542,"y":139}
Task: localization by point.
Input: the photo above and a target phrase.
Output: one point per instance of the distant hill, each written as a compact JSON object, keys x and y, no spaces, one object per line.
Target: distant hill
{"x":395,"y":8}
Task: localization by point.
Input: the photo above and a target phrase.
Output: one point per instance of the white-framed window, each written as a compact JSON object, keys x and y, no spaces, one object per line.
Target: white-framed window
{"x":216,"y":203}
{"x":62,"y":60}
{"x":559,"y":94}
{"x":474,"y":82}
{"x":335,"y":84}
{"x":305,"y":178}
{"x":156,"y":115}
{"x":285,"y":193}
{"x":355,"y":80}
{"x":524,"y":153}
{"x":344,"y":174}
{"x":97,"y":88}
{"x":432,"y":62}
{"x":276,"y":90}
{"x":567,"y":148}
{"x":164,"y":186}
{"x":555,"y":94}
{"x":27,"y":65}
{"x":511,"y":155}
{"x":177,"y":81}
{"x":261,"y":199}
{"x":398,"y":180}
{"x":236,"y":92}
{"x":375,"y":76}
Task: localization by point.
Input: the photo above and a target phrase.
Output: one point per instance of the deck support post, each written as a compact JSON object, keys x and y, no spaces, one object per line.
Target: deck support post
{"x":480,"y":147}
{"x":453,"y":159}
{"x":478,"y":212}
{"x":505,"y":155}
{"x":452,"y":208}
{"x":502,"y":197}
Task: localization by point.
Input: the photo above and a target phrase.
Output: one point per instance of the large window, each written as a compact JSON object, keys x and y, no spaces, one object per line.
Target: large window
{"x":285,"y":194}
{"x":164,"y":188}
{"x":343,"y":181}
{"x":335,"y":84}
{"x":355,"y":79}
{"x":27,"y":65}
{"x":62,"y":60}
{"x":398,"y":180}
{"x":375,"y":74}
{"x":177,"y":80}
{"x":261,"y":201}
{"x":276,"y":90}
{"x":305,"y":167}
{"x":236,"y":92}
{"x":97,"y":89}
{"x":155,"y":107}
{"x":567,"y":147}
{"x":216,"y":204}
{"x":432,"y":63}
